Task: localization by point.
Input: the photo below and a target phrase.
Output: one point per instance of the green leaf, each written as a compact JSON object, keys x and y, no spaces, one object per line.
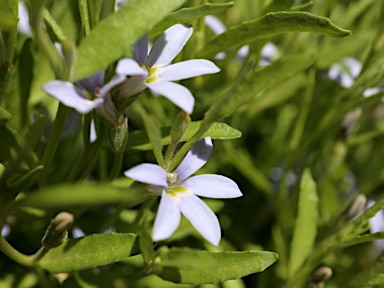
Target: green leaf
{"x":138,"y":140}
{"x":90,"y":252}
{"x":187,"y":15}
{"x":249,"y":85}
{"x":8,"y":18}
{"x":153,"y":132}
{"x":304,"y":233}
{"x":369,"y":277}
{"x":270,"y":25}
{"x":4,"y":115}
{"x":188,"y":266}
{"x":113,"y":36}
{"x":69,"y":195}
{"x":14,"y":150}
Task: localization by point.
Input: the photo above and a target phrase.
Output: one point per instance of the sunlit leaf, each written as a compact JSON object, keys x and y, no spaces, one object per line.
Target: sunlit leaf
{"x":90,"y":252}
{"x":138,"y":140}
{"x":8,"y":18}
{"x":187,"y":266}
{"x":187,"y":15}
{"x":272,"y":24}
{"x":305,"y":230}
{"x":113,"y":36}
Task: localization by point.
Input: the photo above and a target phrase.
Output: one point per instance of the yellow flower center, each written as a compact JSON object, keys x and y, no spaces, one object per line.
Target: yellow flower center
{"x":152,"y":74}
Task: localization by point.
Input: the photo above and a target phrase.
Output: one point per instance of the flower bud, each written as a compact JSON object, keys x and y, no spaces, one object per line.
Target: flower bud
{"x":180,"y":126}
{"x":321,"y":276}
{"x":56,"y":233}
{"x":118,"y":134}
{"x":357,"y":206}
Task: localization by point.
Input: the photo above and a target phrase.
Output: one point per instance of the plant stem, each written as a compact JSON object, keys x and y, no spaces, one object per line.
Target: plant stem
{"x":118,"y":160}
{"x":54,"y":140}
{"x":84,"y":14}
{"x":15,"y":255}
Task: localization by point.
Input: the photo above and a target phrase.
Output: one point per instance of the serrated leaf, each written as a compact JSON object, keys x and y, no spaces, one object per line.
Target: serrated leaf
{"x":90,"y":252}
{"x":187,"y":15}
{"x":138,"y":140}
{"x":69,"y":195}
{"x":270,"y":25}
{"x":188,"y":266}
{"x":7,"y":16}
{"x":113,"y":36}
{"x":305,"y":230}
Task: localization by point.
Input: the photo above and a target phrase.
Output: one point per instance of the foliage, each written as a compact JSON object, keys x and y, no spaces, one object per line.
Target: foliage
{"x":304,"y":147}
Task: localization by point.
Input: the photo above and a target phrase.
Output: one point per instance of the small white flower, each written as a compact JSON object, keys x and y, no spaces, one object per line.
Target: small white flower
{"x":154,"y":72}
{"x":179,"y":193}
{"x":23,"y":25}
{"x":376,"y":224}
{"x":89,"y":94}
{"x":345,"y":72}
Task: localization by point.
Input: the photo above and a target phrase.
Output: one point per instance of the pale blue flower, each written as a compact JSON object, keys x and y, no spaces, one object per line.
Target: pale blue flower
{"x":154,"y":71}
{"x":89,"y":94}
{"x":345,"y":72}
{"x":179,"y":193}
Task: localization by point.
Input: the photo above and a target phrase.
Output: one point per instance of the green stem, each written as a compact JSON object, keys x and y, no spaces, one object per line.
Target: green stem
{"x":84,"y":14}
{"x":15,"y":255}
{"x":189,"y":144}
{"x":39,"y":254}
{"x":169,"y":154}
{"x":54,"y":140}
{"x":117,"y":163}
{"x":54,"y":26}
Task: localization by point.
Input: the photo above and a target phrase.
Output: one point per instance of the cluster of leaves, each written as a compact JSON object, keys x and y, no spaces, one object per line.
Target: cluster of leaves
{"x":308,"y":146}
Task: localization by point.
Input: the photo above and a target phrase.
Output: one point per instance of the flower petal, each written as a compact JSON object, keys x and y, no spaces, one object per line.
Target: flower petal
{"x":167,"y":219}
{"x":141,"y":49}
{"x":71,"y":96}
{"x":148,"y":173}
{"x":128,"y":67}
{"x":188,"y":69}
{"x":168,"y":45}
{"x":116,"y":80}
{"x":195,"y":158}
{"x":200,"y":216}
{"x":214,"y":24}
{"x":92,"y":82}
{"x":212,"y":186}
{"x":177,"y":93}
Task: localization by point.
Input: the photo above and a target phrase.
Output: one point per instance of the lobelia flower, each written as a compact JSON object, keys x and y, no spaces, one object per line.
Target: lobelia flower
{"x":345,"y":72}
{"x":179,"y":193}
{"x":154,"y":72}
{"x":89,"y":94}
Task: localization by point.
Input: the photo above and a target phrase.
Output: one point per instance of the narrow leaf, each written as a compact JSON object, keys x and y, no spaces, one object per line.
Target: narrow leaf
{"x":139,"y":139}
{"x":187,"y":15}
{"x":270,"y":25}
{"x":188,"y":266}
{"x":69,"y":195}
{"x":90,"y":252}
{"x":111,"y":38}
{"x":306,"y":223}
{"x":153,"y":133}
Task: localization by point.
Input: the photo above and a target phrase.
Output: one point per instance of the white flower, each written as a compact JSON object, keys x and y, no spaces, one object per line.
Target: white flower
{"x":23,"y":25}
{"x":89,"y":94}
{"x":345,"y":72}
{"x":179,"y":193}
{"x":154,"y":72}
{"x":376,"y":224}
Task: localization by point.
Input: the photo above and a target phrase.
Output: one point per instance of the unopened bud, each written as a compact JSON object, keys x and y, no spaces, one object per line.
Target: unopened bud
{"x":321,"y":276}
{"x":118,"y":134}
{"x":357,"y":206}
{"x":180,"y":126}
{"x":56,"y":232}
